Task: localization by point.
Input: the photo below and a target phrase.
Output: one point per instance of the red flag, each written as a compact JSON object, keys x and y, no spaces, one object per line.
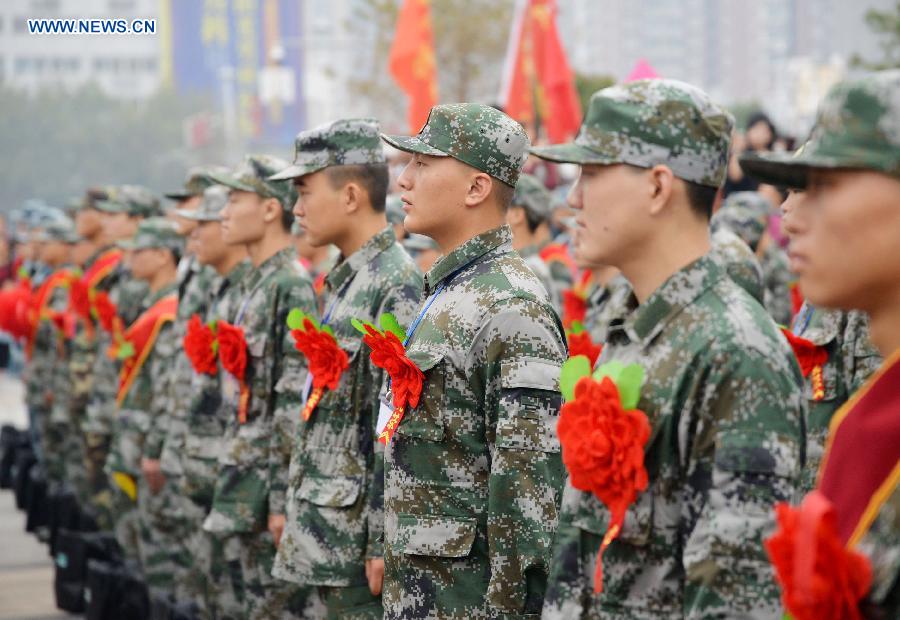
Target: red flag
{"x":536,"y":61}
{"x":411,"y":61}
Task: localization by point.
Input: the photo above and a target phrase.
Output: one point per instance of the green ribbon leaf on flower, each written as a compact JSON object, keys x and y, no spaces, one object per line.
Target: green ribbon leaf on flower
{"x":573,"y":370}
{"x":389,"y":323}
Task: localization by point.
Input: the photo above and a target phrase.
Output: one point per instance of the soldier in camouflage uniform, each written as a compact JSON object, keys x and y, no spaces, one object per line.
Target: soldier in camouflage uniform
{"x":747,"y":215}
{"x":721,"y":389}
{"x":332,"y":538}
{"x":142,"y":402}
{"x":605,"y":302}
{"x":125,"y":207}
{"x":843,"y":245}
{"x":736,"y":259}
{"x":529,"y":219}
{"x":473,"y":474}
{"x":249,"y":499}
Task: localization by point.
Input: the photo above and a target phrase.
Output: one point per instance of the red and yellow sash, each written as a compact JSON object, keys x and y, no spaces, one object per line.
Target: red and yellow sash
{"x":60,"y":277}
{"x":102,"y":267}
{"x":142,"y":336}
{"x":861,"y":466}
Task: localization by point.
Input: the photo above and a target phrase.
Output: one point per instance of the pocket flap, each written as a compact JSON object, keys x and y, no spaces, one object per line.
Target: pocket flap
{"x":519,"y":433}
{"x":437,"y":536}
{"x":530,"y":372}
{"x":425,"y":360}
{"x":742,"y":451}
{"x":334,"y":492}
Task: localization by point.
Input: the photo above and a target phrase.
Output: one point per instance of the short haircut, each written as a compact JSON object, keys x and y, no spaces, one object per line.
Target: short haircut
{"x":371,"y":177}
{"x":504,"y":192}
{"x":531,"y":218}
{"x":701,"y":198}
{"x":287,"y":219}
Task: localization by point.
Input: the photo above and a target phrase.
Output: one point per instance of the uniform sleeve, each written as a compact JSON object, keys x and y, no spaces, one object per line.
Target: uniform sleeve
{"x":289,"y":376}
{"x":403,"y":302}
{"x":518,"y":354}
{"x":162,"y":369}
{"x":741,"y":458}
{"x":861,"y":358}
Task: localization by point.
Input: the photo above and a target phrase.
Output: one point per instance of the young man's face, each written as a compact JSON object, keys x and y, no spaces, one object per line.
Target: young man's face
{"x":88,"y":223}
{"x":81,"y":252}
{"x":243,"y":218}
{"x":208,"y":244}
{"x":434,"y":190}
{"x":610,"y":221}
{"x":119,"y":226}
{"x":144,"y":263}
{"x":319,"y":209}
{"x":54,"y":253}
{"x":845,"y":239}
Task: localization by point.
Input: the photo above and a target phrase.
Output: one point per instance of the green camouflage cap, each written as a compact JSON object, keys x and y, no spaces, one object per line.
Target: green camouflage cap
{"x":857,"y":126}
{"x":476,"y":134}
{"x":649,"y":122}
{"x":215,"y":197}
{"x":253,"y":175}
{"x":393,"y":208}
{"x":350,"y":141}
{"x":130,"y":199}
{"x":533,"y":196}
{"x":198,"y":179}
{"x":61,"y":229}
{"x":154,"y":232}
{"x":746,"y":214}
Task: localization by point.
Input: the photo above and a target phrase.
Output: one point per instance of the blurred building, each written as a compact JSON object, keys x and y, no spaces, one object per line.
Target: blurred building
{"x":126,"y":66}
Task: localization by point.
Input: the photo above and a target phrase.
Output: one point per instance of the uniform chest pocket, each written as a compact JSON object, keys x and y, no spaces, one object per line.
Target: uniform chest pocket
{"x":257,"y":372}
{"x":332,"y":492}
{"x":529,"y":405}
{"x":426,"y":421}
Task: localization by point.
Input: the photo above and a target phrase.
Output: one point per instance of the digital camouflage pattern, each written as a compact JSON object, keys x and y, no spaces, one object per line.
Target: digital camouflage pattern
{"x":532,"y":195}
{"x":134,"y":200}
{"x":722,"y":392}
{"x":253,"y":465}
{"x":604,"y":304}
{"x":531,"y":256}
{"x":254,"y":175}
{"x":880,"y":545}
{"x":857,"y":126}
{"x":746,"y":214}
{"x":197,"y":180}
{"x":777,"y":279}
{"x":851,"y":360}
{"x":473,"y":474}
{"x":153,"y":233}
{"x":473,"y":133}
{"x":334,"y":511}
{"x":648,"y":122}
{"x":739,"y":262}
{"x":215,"y":197}
{"x":345,"y":142}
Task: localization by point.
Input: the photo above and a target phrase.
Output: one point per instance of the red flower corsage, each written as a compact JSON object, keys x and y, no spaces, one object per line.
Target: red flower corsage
{"x":580,"y":343}
{"x":233,"y":355}
{"x":200,"y":346}
{"x":325,"y":359}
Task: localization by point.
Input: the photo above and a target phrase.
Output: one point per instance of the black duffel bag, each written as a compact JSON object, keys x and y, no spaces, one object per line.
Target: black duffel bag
{"x":165,"y":607}
{"x":25,"y":459}
{"x":11,"y":439}
{"x":64,"y":514}
{"x":74,"y":550}
{"x":37,"y":504}
{"x":115,"y":591}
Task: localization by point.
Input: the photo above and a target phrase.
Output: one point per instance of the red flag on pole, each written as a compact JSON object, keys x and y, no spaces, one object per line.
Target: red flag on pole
{"x":536,"y":63}
{"x":411,"y":60}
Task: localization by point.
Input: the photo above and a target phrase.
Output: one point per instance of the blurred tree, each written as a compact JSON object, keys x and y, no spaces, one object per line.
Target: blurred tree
{"x":587,"y":85}
{"x":886,"y":25}
{"x":60,"y":142}
{"x":470,"y":38}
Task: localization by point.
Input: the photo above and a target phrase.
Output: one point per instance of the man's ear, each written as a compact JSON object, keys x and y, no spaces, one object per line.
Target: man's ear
{"x":480,"y":186}
{"x":271,"y":210}
{"x":660,"y":187}
{"x":352,"y":196}
{"x":515,"y":215}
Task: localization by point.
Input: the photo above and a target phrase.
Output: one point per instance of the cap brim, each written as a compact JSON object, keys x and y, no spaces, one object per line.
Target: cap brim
{"x":180,"y":195}
{"x":782,"y":169}
{"x":229,"y":181}
{"x":195,"y":215}
{"x":109,"y":207}
{"x":412,"y":144}
{"x":295,"y":171}
{"x":571,"y":153}
{"x":126,"y":244}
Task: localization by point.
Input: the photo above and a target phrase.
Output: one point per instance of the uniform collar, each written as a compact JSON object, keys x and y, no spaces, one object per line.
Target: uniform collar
{"x":348,"y":267}
{"x":679,"y":291}
{"x":466,"y":254}
{"x":278,"y":260}
{"x":168,"y":289}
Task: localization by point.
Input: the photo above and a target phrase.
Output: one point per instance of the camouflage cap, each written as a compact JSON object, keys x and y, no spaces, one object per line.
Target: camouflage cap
{"x":350,"y":141}
{"x":533,"y":196}
{"x":857,"y":126}
{"x":746,"y":214}
{"x":393,"y":208}
{"x":61,"y":229}
{"x":154,"y":232}
{"x":215,"y":197}
{"x":476,"y":134}
{"x":253,"y":175}
{"x":197,"y":180}
{"x":131,"y":199}
{"x":89,"y":200}
{"x":649,"y":122}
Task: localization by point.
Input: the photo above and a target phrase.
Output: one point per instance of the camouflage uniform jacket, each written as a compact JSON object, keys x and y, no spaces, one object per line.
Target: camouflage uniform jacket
{"x":777,"y":283}
{"x":129,"y":295}
{"x":548,"y":273}
{"x":881,"y":544}
{"x":45,"y":353}
{"x":605,"y":304}
{"x":851,"y":360}
{"x":722,"y":392}
{"x":205,"y":417}
{"x":473,"y":474}
{"x":146,"y":402}
{"x":335,"y":516}
{"x":737,"y":259}
{"x":195,"y":293}
{"x":253,"y":466}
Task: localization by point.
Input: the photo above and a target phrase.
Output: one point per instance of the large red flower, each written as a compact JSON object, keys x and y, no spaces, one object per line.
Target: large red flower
{"x":232,"y":349}
{"x":808,"y":354}
{"x":603,"y":445}
{"x":326,"y":360}
{"x":389,"y":353}
{"x":820,"y":578}
{"x":580,"y":343}
{"x":574,"y":307}
{"x":199,"y":346}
